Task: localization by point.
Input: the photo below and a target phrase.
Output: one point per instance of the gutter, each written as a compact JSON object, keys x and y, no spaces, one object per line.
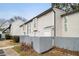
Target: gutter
{"x":54,"y":26}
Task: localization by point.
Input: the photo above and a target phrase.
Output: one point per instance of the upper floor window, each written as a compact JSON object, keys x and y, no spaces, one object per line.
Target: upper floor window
{"x":35,"y":22}
{"x":24,"y":27}
{"x":29,"y":28}
{"x":65,"y":24}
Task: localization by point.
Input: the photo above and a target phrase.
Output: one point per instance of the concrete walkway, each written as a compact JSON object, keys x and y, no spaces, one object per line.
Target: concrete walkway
{"x":10,"y":52}
{"x":8,"y":47}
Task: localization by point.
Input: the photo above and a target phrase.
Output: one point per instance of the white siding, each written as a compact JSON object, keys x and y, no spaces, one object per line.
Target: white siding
{"x":43,"y":22}
{"x":58,"y":21}
{"x":24,"y":29}
{"x":15,"y":28}
{"x":40,"y":25}
{"x":72,"y":25}
{"x":29,"y":28}
{"x":32,"y":29}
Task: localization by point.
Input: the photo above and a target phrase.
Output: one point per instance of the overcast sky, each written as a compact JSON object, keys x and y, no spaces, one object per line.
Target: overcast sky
{"x":27,"y":10}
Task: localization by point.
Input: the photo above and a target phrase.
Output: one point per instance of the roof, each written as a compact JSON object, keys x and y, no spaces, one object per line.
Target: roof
{"x":69,"y":13}
{"x":41,"y":14}
{"x":7,"y":28}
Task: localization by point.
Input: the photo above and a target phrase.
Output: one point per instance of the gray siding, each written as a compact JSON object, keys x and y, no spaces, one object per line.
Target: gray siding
{"x":42,"y":44}
{"x":36,"y":45}
{"x":25,"y":39}
{"x":70,"y":43}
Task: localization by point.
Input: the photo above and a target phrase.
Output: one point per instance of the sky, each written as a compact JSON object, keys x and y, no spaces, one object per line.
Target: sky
{"x":26,"y":10}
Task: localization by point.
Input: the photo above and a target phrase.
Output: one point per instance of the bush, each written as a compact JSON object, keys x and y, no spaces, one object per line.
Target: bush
{"x":25,"y":47}
{"x":16,"y":39}
{"x":7,"y":36}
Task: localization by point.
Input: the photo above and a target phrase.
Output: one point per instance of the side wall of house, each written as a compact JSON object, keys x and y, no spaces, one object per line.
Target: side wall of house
{"x":29,"y":29}
{"x":24,"y":29}
{"x":32,"y":29}
{"x":42,"y":30}
{"x":70,"y":26}
{"x":69,"y":32}
{"x":45,"y":24}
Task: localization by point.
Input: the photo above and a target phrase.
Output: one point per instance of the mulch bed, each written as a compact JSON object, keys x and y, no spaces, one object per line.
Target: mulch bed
{"x":65,"y":51}
{"x":24,"y":50}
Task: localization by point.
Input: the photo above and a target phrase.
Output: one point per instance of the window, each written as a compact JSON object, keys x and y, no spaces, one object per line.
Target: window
{"x":29,"y":28}
{"x":35,"y":22}
{"x":65,"y":24}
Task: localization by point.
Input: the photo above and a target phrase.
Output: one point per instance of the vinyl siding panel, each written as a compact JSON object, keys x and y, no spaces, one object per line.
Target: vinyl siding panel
{"x":45,"y":21}
{"x":72,"y":25}
{"x":15,"y":28}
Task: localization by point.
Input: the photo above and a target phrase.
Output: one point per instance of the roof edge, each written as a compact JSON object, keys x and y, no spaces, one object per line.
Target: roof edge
{"x":69,"y":13}
{"x":39,"y":15}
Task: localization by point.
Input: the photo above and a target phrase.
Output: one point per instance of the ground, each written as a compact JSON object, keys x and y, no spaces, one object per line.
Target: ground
{"x":6,"y":43}
{"x":6,"y":48}
{"x":10,"y":48}
{"x":53,"y":52}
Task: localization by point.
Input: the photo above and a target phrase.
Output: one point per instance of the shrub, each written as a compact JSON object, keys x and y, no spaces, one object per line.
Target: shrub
{"x":25,"y":47}
{"x":7,"y":36}
{"x":16,"y":39}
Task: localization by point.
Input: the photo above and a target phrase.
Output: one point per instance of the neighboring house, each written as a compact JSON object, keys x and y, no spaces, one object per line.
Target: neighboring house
{"x":5,"y":24}
{"x":12,"y":28}
{"x":53,"y":28}
{"x":7,"y":30}
{"x":15,"y":29}
{"x":0,"y":34}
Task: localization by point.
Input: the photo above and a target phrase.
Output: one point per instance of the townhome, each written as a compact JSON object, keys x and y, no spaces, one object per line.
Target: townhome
{"x":54,"y":28}
{"x":42,"y":29}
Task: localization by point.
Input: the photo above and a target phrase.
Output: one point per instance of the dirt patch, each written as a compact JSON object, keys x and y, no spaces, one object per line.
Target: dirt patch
{"x":6,"y":43}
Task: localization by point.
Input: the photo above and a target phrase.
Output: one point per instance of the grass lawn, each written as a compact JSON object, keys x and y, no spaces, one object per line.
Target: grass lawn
{"x":52,"y":52}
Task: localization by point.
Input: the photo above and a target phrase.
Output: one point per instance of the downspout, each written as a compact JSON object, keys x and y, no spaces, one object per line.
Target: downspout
{"x":54,"y":26}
